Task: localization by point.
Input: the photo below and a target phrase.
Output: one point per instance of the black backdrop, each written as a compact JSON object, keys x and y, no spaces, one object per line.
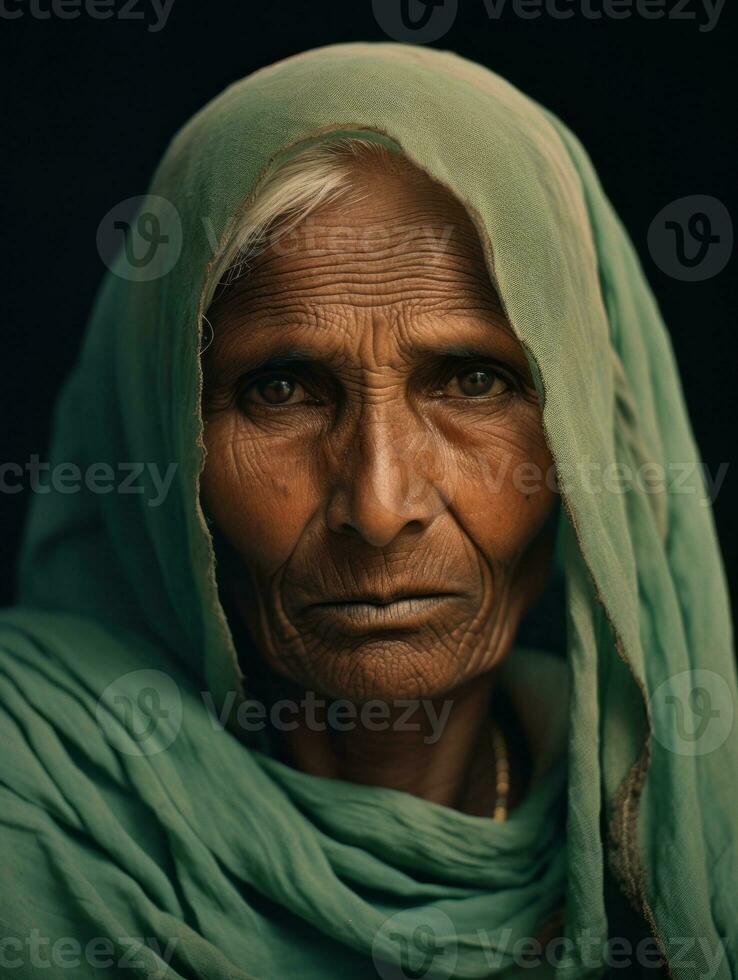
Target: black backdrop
{"x":93,"y":102}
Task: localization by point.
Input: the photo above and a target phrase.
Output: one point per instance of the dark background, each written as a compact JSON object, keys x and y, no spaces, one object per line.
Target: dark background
{"x":93,"y":103}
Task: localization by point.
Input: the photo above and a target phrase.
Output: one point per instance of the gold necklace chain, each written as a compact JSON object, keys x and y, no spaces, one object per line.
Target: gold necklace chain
{"x":502,"y":773}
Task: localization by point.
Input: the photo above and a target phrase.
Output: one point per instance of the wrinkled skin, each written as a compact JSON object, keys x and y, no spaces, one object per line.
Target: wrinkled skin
{"x":368,"y":411}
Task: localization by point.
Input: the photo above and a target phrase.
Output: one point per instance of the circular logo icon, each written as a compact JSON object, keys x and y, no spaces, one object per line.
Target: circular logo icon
{"x":415,"y":943}
{"x":140,"y":238}
{"x":691,"y":239}
{"x":692,"y":712}
{"x":140,"y":712}
{"x":415,"y":21}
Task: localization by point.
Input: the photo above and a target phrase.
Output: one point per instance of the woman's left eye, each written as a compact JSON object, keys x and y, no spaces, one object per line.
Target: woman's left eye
{"x":477,"y":382}
{"x":275,"y":389}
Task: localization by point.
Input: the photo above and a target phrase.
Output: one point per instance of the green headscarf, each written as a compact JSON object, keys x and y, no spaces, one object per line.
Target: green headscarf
{"x":127,"y":812}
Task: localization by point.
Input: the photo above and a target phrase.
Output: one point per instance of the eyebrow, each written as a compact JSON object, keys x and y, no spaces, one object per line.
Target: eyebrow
{"x":510,"y":350}
{"x":461,"y":351}
{"x":456,"y":351}
{"x":277,"y":360}
{"x":287,"y":355}
{"x":267,"y":351}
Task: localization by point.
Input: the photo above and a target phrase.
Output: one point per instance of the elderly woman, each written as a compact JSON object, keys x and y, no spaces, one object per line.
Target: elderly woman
{"x":397,"y":652}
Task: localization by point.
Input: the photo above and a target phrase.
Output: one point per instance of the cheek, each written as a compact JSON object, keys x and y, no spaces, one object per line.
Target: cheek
{"x":505,"y":489}
{"x":258,"y":490}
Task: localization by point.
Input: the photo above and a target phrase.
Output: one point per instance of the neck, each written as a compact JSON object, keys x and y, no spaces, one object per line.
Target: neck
{"x":439,"y":749}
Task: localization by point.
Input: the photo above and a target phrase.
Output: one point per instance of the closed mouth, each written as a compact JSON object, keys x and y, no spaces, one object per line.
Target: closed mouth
{"x":380,"y":600}
{"x":365,"y":613}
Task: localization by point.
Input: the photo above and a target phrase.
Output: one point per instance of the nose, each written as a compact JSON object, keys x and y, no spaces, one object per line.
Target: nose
{"x":386,"y":482}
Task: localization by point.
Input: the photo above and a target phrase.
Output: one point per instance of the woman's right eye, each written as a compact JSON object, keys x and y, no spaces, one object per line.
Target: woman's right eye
{"x":275,"y":389}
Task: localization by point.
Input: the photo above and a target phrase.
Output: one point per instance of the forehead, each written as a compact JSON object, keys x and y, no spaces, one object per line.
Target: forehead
{"x":398,"y":253}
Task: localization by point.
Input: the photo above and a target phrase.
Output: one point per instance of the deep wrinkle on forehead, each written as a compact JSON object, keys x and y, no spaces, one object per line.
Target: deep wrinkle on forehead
{"x":438,"y":265}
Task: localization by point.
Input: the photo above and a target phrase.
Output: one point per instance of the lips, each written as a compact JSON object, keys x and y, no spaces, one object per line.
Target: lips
{"x":364,"y":612}
{"x":382,"y":599}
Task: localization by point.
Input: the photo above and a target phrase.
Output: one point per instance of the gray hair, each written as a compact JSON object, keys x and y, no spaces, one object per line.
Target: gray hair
{"x":319,"y":174}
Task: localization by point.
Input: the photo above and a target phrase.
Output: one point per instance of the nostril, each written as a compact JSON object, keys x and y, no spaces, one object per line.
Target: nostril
{"x":360,"y":512}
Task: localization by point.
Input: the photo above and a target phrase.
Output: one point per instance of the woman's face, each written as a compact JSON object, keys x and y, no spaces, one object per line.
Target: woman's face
{"x":375,"y":457}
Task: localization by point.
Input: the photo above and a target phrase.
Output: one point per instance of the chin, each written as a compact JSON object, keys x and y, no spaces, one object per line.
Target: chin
{"x":385,"y":668}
